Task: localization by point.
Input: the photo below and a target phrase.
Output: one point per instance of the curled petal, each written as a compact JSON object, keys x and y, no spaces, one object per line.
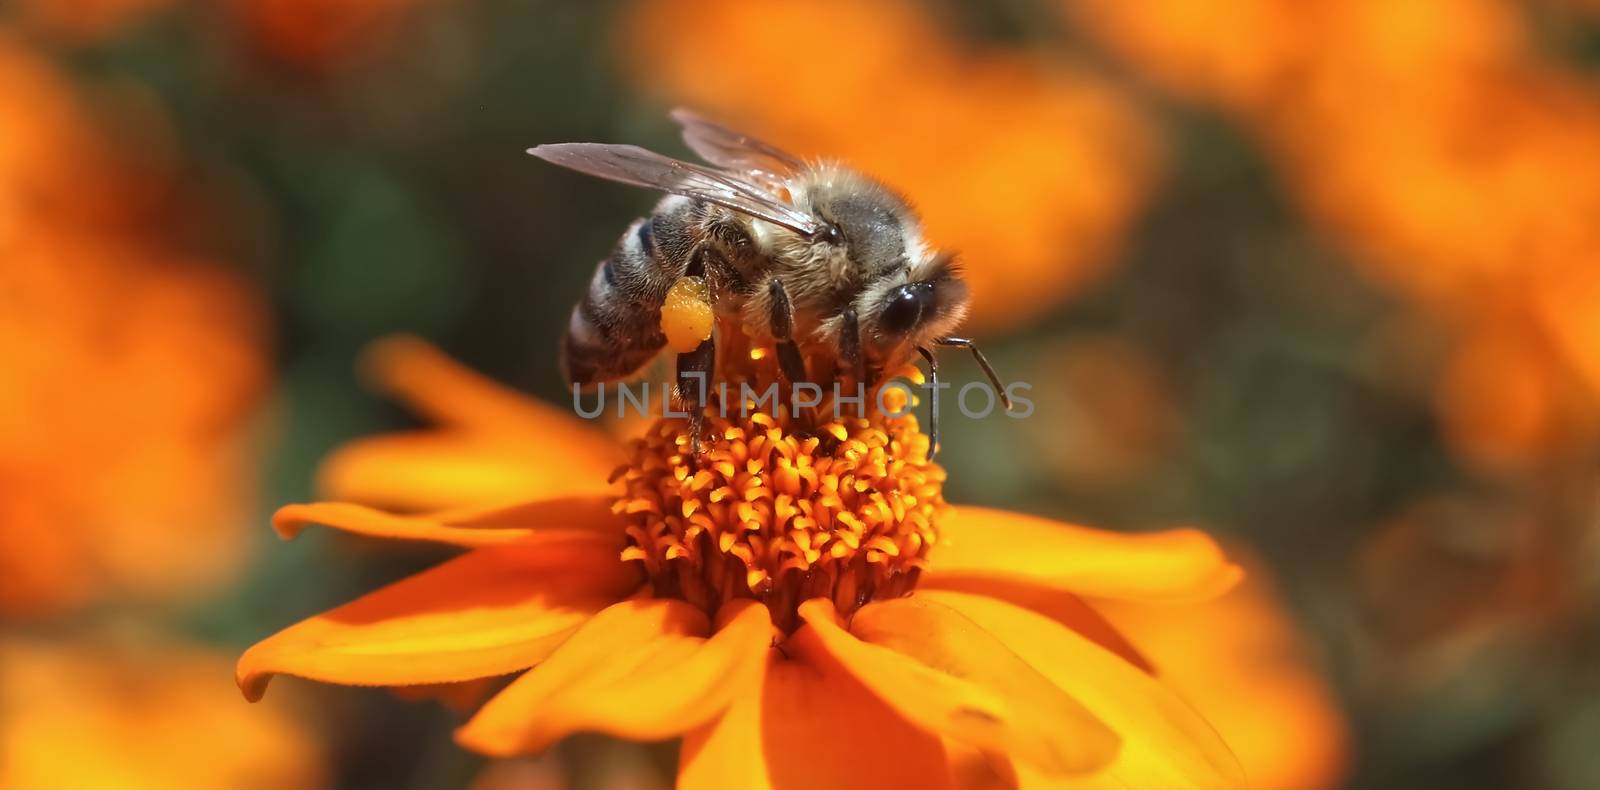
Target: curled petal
{"x":804,"y":722}
{"x":1178,"y":565}
{"x":640,"y":670}
{"x":574,"y":520}
{"x":941,"y":671}
{"x":428,"y":470}
{"x":1165,"y":742}
{"x":488,"y":612}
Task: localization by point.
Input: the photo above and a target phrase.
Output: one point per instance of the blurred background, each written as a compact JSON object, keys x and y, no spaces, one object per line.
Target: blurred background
{"x":1319,"y":276}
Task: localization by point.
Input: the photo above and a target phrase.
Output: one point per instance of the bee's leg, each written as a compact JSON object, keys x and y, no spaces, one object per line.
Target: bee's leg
{"x":694,"y":372}
{"x":789,"y":359}
{"x":983,"y":362}
{"x":850,"y":347}
{"x":933,"y":401}
{"x":850,"y":359}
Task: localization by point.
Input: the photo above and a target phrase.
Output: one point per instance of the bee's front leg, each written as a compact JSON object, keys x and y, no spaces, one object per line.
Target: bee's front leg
{"x":693,"y":383}
{"x":933,"y":402}
{"x":850,"y":355}
{"x":789,"y":360}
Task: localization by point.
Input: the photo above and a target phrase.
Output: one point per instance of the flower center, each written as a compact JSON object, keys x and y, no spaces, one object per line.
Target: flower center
{"x":783,"y":509}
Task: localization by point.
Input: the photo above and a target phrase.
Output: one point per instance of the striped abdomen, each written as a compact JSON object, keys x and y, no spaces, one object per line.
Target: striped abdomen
{"x":616,"y":328}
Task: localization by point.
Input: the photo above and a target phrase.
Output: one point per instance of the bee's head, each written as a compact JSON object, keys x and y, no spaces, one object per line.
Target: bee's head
{"x":904,"y":294}
{"x":913,"y":305}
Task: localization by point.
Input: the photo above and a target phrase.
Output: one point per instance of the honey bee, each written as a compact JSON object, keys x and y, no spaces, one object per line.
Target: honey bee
{"x":812,"y":258}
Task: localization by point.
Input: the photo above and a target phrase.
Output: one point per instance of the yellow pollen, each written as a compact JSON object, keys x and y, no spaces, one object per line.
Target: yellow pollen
{"x":687,"y":315}
{"x":782,"y":509}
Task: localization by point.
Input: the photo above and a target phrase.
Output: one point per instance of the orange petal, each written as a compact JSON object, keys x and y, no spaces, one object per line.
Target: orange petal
{"x":804,"y":722}
{"x":942,"y":672}
{"x":639,"y":670}
{"x":1177,"y":565}
{"x":585,"y":512}
{"x":291,"y":520}
{"x":1062,"y":607}
{"x":489,"y":612}
{"x":575,"y":520}
{"x":436,"y":386}
{"x":1243,"y":663}
{"x":428,"y":470}
{"x":1165,"y":743}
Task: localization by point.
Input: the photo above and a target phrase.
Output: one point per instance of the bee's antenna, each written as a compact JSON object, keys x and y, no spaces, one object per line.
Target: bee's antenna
{"x":983,"y":362}
{"x":933,"y":401}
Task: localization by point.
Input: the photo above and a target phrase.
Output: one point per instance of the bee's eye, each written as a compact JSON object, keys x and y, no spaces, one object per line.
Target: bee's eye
{"x":832,"y":235}
{"x":905,"y":308}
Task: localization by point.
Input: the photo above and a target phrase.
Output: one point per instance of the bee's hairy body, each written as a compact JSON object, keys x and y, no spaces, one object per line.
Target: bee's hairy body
{"x":821,"y":263}
{"x":616,"y":328}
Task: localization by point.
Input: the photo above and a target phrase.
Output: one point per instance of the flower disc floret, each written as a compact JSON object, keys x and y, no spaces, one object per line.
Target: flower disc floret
{"x":780,"y":513}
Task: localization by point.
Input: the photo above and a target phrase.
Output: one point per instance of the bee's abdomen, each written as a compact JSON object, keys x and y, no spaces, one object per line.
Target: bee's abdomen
{"x":616,"y":328}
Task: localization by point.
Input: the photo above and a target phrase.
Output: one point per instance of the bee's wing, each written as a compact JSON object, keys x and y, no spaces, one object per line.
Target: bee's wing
{"x":733,"y":150}
{"x":631,"y":164}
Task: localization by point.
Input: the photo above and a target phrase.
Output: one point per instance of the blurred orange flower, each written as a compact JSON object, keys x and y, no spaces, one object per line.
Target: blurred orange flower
{"x":306,"y":34}
{"x":103,"y":714}
{"x":1112,"y":416}
{"x":1474,"y":591}
{"x":129,"y":370}
{"x":1432,"y":143}
{"x":86,"y":21}
{"x":757,"y":603}
{"x":1505,"y":396}
{"x":1246,"y":667}
{"x":314,"y":34}
{"x":1031,"y":170}
{"x":528,"y":774}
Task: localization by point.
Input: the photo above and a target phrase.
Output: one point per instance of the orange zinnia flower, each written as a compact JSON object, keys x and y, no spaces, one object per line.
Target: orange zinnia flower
{"x":1434,"y":143}
{"x":131,"y":366}
{"x":109,"y":711}
{"x":801,"y":607}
